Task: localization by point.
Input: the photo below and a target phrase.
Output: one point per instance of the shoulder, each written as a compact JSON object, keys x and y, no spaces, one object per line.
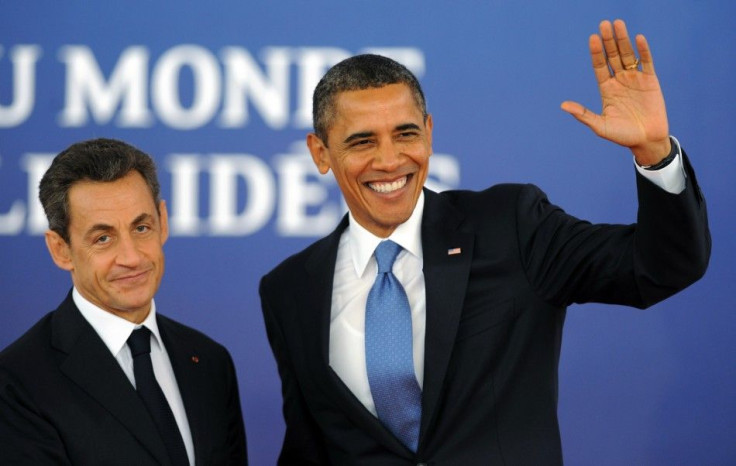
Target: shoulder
{"x":294,"y":263}
{"x":34,"y":342}
{"x":315,"y":257}
{"x":31,"y":357}
{"x":504,"y":193}
{"x":501,"y":200}
{"x":181,"y":334}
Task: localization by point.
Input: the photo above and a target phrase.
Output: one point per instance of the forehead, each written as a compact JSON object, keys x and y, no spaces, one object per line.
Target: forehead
{"x":110,"y":202}
{"x":390,"y":102}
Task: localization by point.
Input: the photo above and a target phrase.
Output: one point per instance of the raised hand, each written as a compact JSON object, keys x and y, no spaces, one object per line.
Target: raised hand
{"x":633,"y":113}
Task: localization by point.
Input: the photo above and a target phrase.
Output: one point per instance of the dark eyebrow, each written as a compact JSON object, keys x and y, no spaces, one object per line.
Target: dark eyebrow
{"x":105,"y":227}
{"x":406,"y":126}
{"x":354,"y":136}
{"x":141,"y":218}
{"x":367,"y":134}
{"x":98,"y":227}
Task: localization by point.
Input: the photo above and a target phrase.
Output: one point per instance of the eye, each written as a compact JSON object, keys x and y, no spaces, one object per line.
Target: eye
{"x":361,"y":143}
{"x":408,"y":134}
{"x":142,"y":228}
{"x":103,"y":239}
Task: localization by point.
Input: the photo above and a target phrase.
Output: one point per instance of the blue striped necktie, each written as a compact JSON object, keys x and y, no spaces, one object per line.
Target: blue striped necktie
{"x":388,"y":351}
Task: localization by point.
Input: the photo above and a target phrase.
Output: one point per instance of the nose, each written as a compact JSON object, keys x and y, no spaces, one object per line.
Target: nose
{"x":128,"y":254}
{"x":387,"y":157}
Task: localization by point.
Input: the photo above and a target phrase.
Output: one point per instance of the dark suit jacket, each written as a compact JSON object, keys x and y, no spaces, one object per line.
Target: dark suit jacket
{"x":65,"y":400}
{"x":494,"y":320}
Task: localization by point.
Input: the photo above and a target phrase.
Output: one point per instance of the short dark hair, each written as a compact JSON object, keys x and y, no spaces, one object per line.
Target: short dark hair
{"x":357,"y":73}
{"x":101,"y":159}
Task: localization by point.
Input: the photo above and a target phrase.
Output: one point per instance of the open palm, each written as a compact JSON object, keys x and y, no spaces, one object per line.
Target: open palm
{"x":633,"y":111}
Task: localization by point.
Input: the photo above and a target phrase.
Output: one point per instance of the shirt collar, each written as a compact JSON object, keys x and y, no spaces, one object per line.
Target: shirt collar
{"x":113,"y":330}
{"x":408,"y":235}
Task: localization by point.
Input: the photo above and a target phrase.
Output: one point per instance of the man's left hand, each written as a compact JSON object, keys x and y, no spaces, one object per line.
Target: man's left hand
{"x":634,"y":113}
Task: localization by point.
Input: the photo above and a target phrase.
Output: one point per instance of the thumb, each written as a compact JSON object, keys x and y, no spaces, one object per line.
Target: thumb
{"x":582,"y":114}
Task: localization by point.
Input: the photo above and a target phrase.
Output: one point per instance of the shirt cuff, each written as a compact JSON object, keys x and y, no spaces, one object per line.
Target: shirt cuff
{"x":670,"y":178}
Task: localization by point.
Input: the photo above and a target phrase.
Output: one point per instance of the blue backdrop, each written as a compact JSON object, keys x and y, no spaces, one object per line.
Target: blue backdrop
{"x":219,"y":93}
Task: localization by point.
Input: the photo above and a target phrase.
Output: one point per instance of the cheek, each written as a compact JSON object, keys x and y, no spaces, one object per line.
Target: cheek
{"x":418,"y":152}
{"x":100,"y":269}
{"x":158,"y":257}
{"x":154,"y":252}
{"x":96,"y":264}
{"x":349,"y":171}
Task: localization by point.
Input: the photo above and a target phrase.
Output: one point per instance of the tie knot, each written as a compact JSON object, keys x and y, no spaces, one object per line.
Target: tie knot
{"x":386,"y":253}
{"x":140,"y":341}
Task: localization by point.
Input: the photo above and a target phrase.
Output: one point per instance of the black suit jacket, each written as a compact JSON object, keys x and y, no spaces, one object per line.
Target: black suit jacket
{"x":494,"y":320}
{"x":65,"y":400}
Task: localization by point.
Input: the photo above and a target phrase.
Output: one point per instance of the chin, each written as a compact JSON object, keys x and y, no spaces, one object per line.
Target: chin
{"x":134,"y":303}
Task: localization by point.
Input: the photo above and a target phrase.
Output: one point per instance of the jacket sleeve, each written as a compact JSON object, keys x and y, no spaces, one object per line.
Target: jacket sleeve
{"x":303,"y":441}
{"x":25,"y":436}
{"x":568,"y":260}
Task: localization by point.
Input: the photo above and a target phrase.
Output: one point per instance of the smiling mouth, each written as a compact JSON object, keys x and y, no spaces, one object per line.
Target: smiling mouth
{"x":132,"y":278}
{"x":382,"y":187}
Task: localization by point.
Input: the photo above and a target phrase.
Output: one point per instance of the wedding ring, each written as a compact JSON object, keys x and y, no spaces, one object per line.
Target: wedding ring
{"x":632,"y":66}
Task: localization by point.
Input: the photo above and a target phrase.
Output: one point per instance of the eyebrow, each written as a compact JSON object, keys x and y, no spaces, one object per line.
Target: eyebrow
{"x":406,"y":126}
{"x":140,"y":218}
{"x":98,"y":227}
{"x":354,"y":136}
{"x":367,"y":134}
{"x":106,"y":227}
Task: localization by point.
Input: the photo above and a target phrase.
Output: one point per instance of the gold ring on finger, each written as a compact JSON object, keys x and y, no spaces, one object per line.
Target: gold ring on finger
{"x":632,"y":66}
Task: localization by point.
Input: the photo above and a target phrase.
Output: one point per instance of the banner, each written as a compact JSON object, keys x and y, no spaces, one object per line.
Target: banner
{"x":219,"y":93}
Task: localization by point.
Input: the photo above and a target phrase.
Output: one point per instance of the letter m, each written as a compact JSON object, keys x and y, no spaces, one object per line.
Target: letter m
{"x":87,"y":91}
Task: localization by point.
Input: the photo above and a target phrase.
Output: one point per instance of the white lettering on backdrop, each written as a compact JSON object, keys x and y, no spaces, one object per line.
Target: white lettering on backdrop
{"x":215,"y":194}
{"x":244,"y":194}
{"x":226,"y":83}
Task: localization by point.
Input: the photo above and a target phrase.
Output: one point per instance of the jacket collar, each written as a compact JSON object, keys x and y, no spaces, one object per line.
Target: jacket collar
{"x":90,"y":365}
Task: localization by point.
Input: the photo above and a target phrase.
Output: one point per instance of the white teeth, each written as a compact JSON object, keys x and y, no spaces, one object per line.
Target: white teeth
{"x":388,"y":187}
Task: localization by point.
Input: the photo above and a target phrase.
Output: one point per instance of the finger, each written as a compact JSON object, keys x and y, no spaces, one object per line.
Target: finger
{"x":610,"y":46}
{"x":583,"y":115}
{"x":647,"y":63}
{"x":600,"y":67}
{"x":573,"y":108}
{"x":625,"y":50}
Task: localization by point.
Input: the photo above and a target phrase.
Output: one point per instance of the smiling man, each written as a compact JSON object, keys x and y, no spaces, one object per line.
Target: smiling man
{"x":426,"y":328}
{"x":379,"y":147}
{"x":105,"y":379}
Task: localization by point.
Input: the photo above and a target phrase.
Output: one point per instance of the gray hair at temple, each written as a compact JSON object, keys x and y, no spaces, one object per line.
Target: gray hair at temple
{"x":357,"y":73}
{"x":102,"y":160}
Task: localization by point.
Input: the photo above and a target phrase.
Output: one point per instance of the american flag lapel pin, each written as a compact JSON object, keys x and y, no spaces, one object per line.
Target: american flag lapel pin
{"x":454,"y":251}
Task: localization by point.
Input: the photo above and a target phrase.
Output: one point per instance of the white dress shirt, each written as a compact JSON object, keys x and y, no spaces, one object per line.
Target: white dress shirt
{"x":355,"y":272}
{"x":670,"y":178}
{"x":114,"y":332}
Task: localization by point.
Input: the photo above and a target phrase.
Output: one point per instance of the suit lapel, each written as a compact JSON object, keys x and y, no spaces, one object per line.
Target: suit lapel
{"x":448,"y":254}
{"x":320,"y":271}
{"x":91,"y":366}
{"x":318,"y":294}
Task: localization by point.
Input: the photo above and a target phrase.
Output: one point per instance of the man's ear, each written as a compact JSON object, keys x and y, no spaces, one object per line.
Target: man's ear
{"x":163,"y":217}
{"x":428,"y":124}
{"x":320,"y":153}
{"x":60,"y":250}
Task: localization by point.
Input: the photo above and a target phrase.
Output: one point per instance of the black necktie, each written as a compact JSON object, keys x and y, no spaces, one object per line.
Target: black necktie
{"x":153,"y":397}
